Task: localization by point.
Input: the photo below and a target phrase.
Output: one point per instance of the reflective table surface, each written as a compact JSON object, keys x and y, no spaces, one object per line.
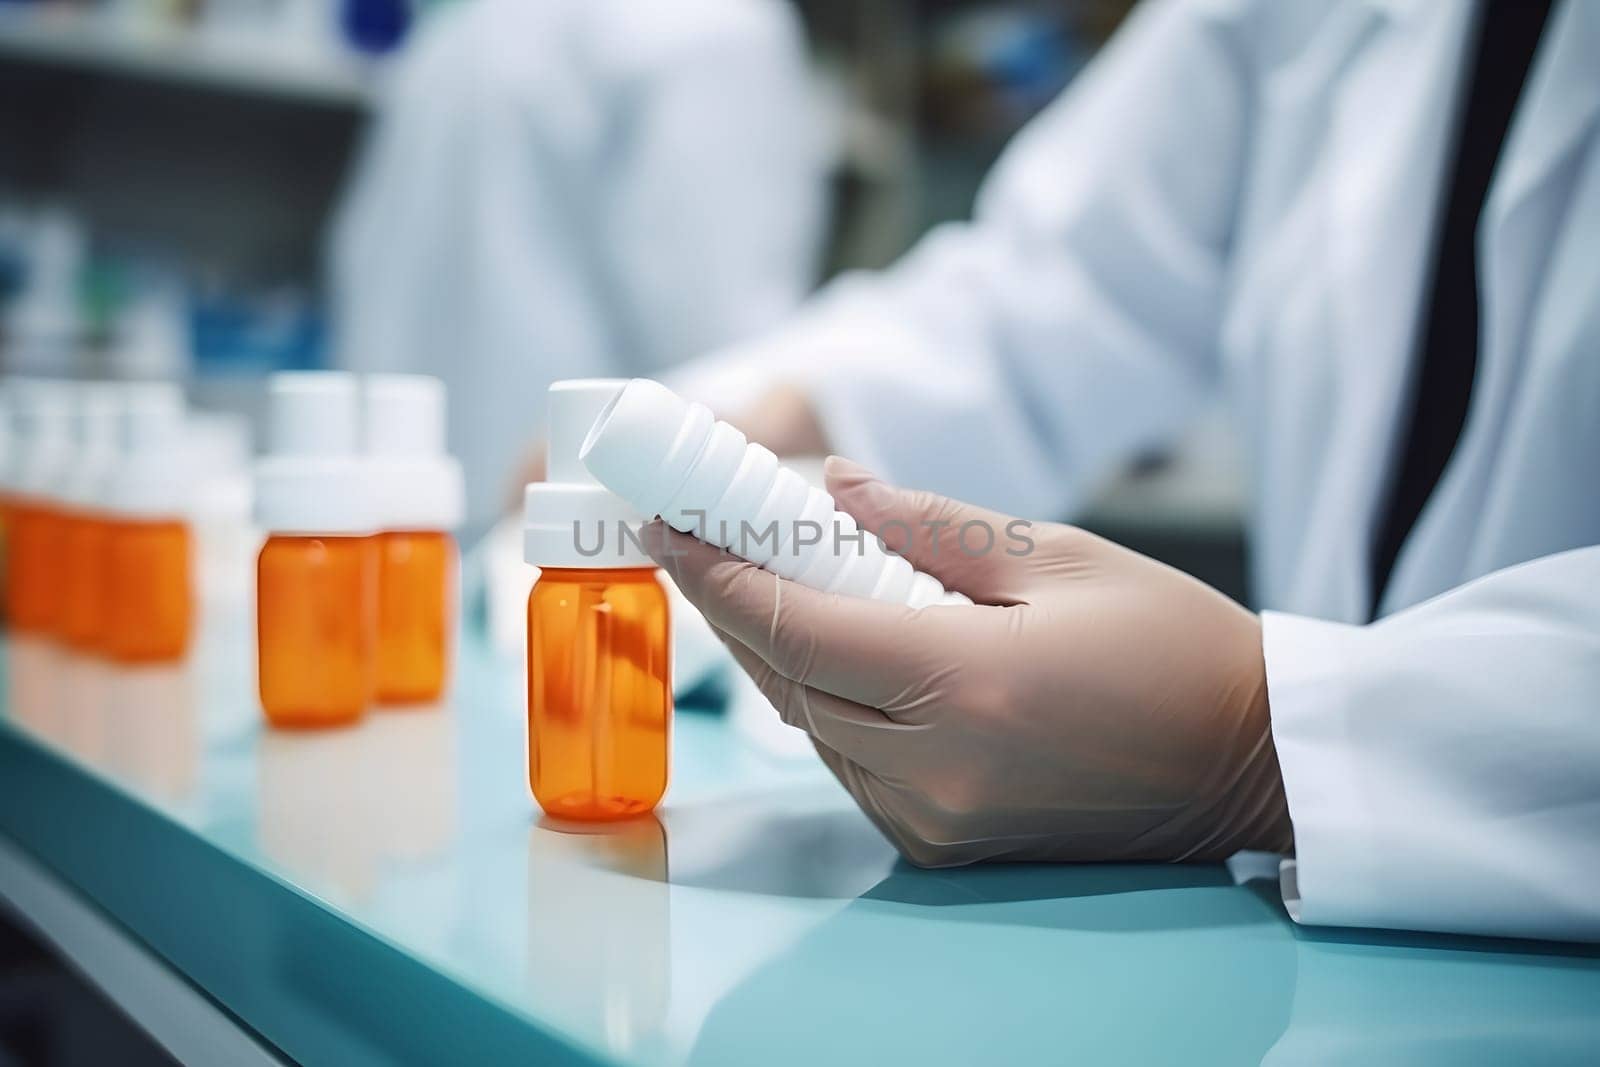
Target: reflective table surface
{"x":389,"y":893}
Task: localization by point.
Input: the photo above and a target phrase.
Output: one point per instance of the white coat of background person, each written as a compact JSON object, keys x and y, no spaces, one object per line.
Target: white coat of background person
{"x":576,"y":188}
{"x":1239,"y":198}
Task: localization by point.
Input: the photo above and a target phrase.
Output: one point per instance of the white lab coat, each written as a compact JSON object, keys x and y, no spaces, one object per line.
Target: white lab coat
{"x":1239,"y":198}
{"x":577,"y":188}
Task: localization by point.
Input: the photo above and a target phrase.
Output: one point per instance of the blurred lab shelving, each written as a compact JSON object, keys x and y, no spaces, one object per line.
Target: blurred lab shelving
{"x":94,"y":43}
{"x":194,"y":153}
{"x":119,"y":109}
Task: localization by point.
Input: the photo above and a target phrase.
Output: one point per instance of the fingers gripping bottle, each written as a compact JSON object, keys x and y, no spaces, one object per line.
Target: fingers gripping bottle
{"x":672,"y":458}
{"x":149,"y":546}
{"x":316,"y":577}
{"x":420,"y":500}
{"x":599,"y":651}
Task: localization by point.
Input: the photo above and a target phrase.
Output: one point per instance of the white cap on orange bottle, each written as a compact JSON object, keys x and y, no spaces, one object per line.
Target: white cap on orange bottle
{"x":570,"y":519}
{"x":97,"y":409}
{"x":312,"y":478}
{"x":417,"y":483}
{"x":42,"y":409}
{"x":152,"y":478}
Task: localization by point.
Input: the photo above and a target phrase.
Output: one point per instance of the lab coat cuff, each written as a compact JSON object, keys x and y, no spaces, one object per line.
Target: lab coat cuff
{"x":1330,"y":878}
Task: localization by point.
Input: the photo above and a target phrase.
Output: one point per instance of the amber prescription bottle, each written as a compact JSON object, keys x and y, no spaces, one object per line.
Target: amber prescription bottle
{"x":420,"y":501}
{"x":149,"y":562}
{"x":85,"y":529}
{"x":316,"y":577}
{"x":599,"y":649}
{"x":44,"y":451}
{"x":8,"y":457}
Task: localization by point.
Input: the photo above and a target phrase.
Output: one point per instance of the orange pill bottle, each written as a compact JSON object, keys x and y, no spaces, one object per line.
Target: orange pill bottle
{"x":34,"y":576}
{"x":34,"y":564}
{"x":8,"y":459}
{"x":85,"y":547}
{"x":420,"y":501}
{"x":148,"y":576}
{"x":316,"y":577}
{"x":599,"y":640}
{"x":149,"y":612}
{"x":85,"y":525}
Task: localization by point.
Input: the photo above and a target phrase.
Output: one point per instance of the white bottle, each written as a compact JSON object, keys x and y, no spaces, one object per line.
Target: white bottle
{"x":669,"y":457}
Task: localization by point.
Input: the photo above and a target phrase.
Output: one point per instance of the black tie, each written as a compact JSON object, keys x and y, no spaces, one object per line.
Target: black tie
{"x":1508,"y":33}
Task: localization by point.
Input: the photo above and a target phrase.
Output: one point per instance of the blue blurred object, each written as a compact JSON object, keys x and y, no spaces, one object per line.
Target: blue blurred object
{"x":1024,"y":56}
{"x":375,"y":26}
{"x":13,"y":262}
{"x":1034,"y":64}
{"x":234,"y":334}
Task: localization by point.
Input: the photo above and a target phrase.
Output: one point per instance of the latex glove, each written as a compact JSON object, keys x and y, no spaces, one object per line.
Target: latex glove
{"x":1094,"y":705}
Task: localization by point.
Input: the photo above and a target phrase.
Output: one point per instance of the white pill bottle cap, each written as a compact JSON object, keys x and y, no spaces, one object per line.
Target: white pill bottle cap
{"x":571,"y":520}
{"x":42,"y":416}
{"x":8,"y":435}
{"x":153,"y":476}
{"x":415,"y":482}
{"x":97,"y":429}
{"x":312,"y":478}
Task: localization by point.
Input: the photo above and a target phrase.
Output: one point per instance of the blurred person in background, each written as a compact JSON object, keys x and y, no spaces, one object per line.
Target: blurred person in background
{"x":577,"y":188}
{"x":1371,"y":227}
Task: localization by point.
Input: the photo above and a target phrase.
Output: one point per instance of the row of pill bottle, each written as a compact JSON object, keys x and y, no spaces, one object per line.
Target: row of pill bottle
{"x":331,"y":641}
{"x":99,"y":546}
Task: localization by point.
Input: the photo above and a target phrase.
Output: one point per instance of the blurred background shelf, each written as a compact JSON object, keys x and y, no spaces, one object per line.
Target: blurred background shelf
{"x":193,"y":163}
{"x":218,"y":60}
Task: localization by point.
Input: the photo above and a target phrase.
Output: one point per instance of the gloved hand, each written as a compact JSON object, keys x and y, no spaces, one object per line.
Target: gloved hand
{"x":1094,"y":705}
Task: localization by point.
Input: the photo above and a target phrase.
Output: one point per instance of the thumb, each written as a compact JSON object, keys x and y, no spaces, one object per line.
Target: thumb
{"x":969,"y":549}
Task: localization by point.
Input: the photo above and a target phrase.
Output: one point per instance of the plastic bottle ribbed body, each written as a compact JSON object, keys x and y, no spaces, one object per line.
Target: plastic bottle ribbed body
{"x":669,"y":457}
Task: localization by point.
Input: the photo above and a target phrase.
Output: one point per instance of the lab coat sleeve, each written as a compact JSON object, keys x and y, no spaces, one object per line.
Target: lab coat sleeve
{"x":1442,"y":766}
{"x":1011,"y":360}
{"x":715,"y":215}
